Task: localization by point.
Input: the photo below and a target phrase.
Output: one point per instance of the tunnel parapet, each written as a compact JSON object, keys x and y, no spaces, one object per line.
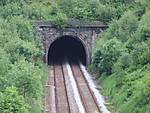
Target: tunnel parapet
{"x":85,"y":32}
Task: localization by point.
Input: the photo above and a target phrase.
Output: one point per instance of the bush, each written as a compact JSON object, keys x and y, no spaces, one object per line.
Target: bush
{"x":143,"y":31}
{"x":105,"y":13}
{"x":26,"y":77}
{"x":4,"y":62}
{"x":141,"y":54}
{"x":37,"y":11}
{"x":123,"y":28}
{"x":123,"y":62}
{"x":11,"y":9}
{"x":23,"y":27}
{"x":60,"y":19}
{"x":12,"y":102}
{"x":4,"y":67}
{"x":107,"y":55}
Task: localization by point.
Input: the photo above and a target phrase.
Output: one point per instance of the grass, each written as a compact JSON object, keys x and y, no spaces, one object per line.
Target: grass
{"x":132,"y":94}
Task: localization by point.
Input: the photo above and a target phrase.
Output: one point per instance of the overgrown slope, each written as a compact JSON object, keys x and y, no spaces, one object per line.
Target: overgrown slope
{"x":22,"y":72}
{"x":122,"y":59}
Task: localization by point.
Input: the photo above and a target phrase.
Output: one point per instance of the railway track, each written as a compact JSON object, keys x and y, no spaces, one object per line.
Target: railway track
{"x":61,"y":95}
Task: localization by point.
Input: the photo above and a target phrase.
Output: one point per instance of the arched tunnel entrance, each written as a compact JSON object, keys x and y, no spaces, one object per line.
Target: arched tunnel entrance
{"x":67,"y":47}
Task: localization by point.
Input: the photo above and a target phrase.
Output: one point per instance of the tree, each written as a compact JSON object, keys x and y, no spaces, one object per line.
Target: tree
{"x":123,"y":28}
{"x":12,"y":102}
{"x":107,"y":55}
{"x":143,"y":31}
{"x":4,"y":67}
{"x":25,"y":76}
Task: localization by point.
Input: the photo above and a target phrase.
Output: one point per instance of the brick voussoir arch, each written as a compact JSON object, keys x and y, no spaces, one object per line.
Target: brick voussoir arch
{"x":78,"y":38}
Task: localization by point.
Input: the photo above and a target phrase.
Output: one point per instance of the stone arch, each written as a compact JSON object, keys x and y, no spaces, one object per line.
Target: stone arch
{"x":77,"y":39}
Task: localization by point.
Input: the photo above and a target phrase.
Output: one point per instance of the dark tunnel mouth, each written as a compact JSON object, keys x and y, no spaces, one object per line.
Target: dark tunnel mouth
{"x":67,"y":47}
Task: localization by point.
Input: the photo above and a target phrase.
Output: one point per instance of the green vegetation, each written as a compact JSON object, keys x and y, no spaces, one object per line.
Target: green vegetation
{"x":23,"y":74}
{"x":121,"y":55}
{"x":122,"y":59}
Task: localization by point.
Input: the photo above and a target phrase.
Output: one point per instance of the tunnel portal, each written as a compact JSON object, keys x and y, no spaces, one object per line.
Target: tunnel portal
{"x":67,"y":47}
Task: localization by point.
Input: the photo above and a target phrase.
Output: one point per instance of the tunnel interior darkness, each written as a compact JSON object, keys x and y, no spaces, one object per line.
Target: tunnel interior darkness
{"x":66,"y":47}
